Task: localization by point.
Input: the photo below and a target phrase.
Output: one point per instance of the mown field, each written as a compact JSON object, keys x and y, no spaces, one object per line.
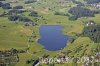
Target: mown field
{"x":16,"y":35}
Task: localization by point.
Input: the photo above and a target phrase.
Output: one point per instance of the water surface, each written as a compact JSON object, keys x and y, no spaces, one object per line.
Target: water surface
{"x":52,"y":38}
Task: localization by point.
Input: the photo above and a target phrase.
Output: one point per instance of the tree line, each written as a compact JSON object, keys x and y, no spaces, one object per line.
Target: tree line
{"x":92,"y":1}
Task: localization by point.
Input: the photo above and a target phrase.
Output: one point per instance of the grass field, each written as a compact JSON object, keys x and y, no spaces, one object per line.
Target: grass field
{"x":16,"y":35}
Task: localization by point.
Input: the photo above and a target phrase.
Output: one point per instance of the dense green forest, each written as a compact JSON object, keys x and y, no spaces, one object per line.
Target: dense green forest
{"x":93,"y":32}
{"x":78,"y":12}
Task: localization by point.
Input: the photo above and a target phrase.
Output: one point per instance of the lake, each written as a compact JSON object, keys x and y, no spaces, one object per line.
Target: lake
{"x":52,"y":37}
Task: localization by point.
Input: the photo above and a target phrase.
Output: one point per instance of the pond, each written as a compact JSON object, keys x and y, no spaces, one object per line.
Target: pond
{"x":52,"y":37}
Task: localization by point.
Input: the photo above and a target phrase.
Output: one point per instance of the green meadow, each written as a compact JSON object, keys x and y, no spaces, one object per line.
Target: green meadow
{"x":14,"y":34}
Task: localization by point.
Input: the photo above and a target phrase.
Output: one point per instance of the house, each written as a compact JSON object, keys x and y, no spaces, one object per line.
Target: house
{"x":96,"y":5}
{"x":97,"y":57}
{"x":89,"y":23}
{"x":28,"y":23}
{"x":14,"y":1}
{"x":65,"y":1}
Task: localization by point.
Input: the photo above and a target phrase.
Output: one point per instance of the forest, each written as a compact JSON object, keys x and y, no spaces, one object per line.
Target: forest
{"x":93,"y":32}
{"x":78,"y":12}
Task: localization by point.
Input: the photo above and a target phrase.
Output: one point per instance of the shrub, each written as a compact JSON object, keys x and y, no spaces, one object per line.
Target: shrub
{"x":18,"y":7}
{"x":34,"y":14}
{"x":6,"y":6}
{"x":13,"y":18}
{"x":15,"y":11}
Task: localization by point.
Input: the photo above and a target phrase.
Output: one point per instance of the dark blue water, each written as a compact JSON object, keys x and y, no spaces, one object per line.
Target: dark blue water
{"x":52,"y":38}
